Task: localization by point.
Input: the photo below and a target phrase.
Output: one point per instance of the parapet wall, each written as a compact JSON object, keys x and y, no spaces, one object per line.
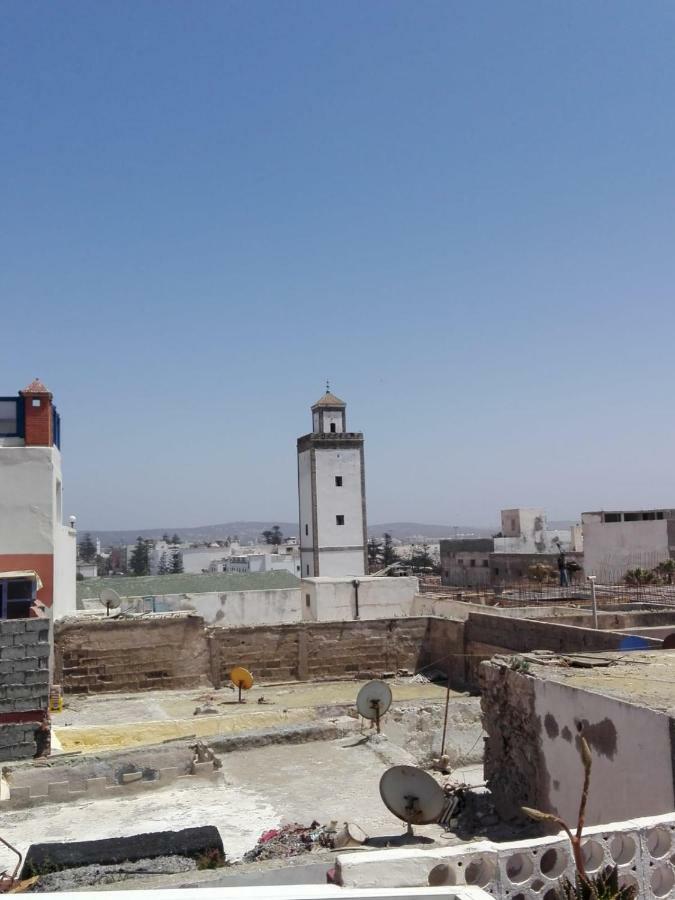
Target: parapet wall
{"x":24,"y":684}
{"x":177,"y":651}
{"x":643,"y":850}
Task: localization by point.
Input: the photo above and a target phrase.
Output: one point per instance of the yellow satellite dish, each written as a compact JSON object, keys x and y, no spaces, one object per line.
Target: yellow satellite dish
{"x":242,"y":679}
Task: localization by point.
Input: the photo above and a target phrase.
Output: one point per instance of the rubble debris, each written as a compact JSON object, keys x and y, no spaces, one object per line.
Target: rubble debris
{"x":203,"y":753}
{"x":292,"y":840}
{"x":94,"y":875}
{"x":205,"y":711}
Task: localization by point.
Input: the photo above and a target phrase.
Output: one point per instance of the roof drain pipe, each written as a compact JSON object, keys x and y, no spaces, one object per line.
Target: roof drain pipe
{"x":356,"y":584}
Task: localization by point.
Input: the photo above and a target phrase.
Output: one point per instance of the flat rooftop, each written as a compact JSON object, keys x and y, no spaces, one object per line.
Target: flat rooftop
{"x":154,"y":585}
{"x":119,"y":720}
{"x":642,"y":678}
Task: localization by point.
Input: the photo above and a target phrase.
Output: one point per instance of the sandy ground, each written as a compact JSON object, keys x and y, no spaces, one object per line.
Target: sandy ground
{"x":257,"y":790}
{"x":109,"y":721}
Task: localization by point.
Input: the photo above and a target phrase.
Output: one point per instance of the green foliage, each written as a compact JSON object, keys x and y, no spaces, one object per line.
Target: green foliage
{"x":87,"y":549}
{"x":604,"y":886}
{"x":638,"y":577}
{"x":139,"y":564}
{"x":273,"y":536}
{"x":175,"y":539}
{"x":374,"y":551}
{"x":389,"y":554}
{"x":176,"y":563}
{"x":163,"y":566}
{"x":665,"y":571}
{"x":518,"y":664}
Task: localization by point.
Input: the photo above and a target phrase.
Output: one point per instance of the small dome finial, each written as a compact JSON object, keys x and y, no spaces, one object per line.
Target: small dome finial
{"x":327,"y":386}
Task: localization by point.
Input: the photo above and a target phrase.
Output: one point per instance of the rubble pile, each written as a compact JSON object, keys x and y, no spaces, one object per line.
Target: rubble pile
{"x":291,"y":840}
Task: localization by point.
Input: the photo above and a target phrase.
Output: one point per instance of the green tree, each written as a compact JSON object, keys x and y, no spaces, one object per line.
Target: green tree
{"x":166,"y":538}
{"x":140,"y":558}
{"x":389,"y":554}
{"x":421,"y":558}
{"x":87,"y":549}
{"x":374,"y":552}
{"x":273,"y":536}
{"x":176,"y":563}
{"x":175,"y":539}
{"x":665,"y":571}
{"x":638,"y":577}
{"x":163,"y":566}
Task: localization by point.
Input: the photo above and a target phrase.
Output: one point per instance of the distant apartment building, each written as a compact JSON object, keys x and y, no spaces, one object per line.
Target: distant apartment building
{"x":618,"y":540}
{"x":32,"y":534}
{"x":524,"y":540}
{"x":259,"y":562}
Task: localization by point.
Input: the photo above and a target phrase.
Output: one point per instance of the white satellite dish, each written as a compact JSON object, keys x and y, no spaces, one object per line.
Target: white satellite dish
{"x":110,"y":599}
{"x":373,"y":700}
{"x":412,"y":795}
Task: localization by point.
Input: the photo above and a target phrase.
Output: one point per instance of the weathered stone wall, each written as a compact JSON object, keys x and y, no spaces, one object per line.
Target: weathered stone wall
{"x":178,"y":651}
{"x":24,"y":684}
{"x":322,"y":650}
{"x":115,"y":654}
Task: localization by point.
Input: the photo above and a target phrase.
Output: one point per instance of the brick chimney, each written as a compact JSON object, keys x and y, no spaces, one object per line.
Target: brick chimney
{"x":38,"y":417}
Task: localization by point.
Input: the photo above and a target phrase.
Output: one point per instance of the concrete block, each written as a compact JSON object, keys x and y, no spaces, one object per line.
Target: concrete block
{"x":129,"y":777}
{"x":96,"y":786}
{"x":170,"y":773}
{"x":202,"y":768}
{"x":19,"y":794}
{"x":58,"y":790}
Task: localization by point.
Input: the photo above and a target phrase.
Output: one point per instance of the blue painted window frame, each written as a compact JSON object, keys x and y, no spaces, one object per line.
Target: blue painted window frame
{"x":20,"y":417}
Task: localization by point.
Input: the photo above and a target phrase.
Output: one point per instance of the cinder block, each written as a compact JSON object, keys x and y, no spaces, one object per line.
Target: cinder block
{"x":19,"y":794}
{"x":58,"y":790}
{"x":129,"y":777}
{"x":96,"y":786}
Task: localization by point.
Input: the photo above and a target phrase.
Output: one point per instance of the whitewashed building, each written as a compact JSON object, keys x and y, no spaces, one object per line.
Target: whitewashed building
{"x":32,"y":534}
{"x":332,"y":495}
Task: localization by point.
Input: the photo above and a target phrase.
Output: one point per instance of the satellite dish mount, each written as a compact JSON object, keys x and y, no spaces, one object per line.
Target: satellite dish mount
{"x":242,"y":679}
{"x":373,"y":700}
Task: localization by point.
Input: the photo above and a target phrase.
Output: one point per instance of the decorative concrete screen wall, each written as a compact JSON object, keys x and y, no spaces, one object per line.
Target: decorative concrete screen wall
{"x":643,"y":849}
{"x":24,"y":684}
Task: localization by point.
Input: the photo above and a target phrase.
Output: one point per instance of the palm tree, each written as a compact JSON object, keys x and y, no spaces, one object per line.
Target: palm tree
{"x":665,"y":570}
{"x":638,"y":577}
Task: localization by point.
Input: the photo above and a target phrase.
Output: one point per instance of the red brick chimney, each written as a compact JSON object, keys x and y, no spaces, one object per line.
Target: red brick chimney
{"x":38,"y":415}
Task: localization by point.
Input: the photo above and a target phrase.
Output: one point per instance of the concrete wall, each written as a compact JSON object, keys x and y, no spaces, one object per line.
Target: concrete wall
{"x":611,"y":548}
{"x":334,"y":599}
{"x":515,"y":870}
{"x":532,"y":758}
{"x":236,"y":608}
{"x":24,"y":684}
{"x":65,"y":568}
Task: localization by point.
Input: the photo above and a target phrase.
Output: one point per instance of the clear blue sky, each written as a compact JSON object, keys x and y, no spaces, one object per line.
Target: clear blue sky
{"x":462,"y":213}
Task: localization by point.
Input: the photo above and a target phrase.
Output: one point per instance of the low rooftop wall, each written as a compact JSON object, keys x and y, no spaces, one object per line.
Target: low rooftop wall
{"x":24,"y":684}
{"x":641,"y":849}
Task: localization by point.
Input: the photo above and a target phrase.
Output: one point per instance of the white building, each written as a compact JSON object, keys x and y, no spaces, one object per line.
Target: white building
{"x":332,"y":495}
{"x":525,"y":530}
{"x":619,"y":540}
{"x":32,"y":534}
{"x":259,"y":562}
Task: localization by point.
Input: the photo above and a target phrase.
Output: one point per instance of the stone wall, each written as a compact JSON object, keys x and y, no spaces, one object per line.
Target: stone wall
{"x":115,"y":654}
{"x":322,"y":650}
{"x":176,"y":651}
{"x":24,"y":684}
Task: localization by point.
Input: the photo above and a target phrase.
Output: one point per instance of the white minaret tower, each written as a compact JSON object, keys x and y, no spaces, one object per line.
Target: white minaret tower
{"x":332,"y":491}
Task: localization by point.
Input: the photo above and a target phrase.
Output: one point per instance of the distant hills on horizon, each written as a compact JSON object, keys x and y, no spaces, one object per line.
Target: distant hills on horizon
{"x":247,"y":532}
{"x":251,"y":531}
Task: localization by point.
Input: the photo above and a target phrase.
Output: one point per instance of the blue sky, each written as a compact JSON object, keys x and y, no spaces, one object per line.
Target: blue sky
{"x":461,"y":213}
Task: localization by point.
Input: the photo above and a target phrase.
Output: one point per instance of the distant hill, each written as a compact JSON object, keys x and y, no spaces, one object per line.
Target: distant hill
{"x":248,"y":532}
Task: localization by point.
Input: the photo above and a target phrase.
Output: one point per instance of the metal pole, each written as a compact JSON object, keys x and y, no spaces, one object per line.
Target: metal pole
{"x":356,"y":583}
{"x":445,"y":717}
{"x":594,"y":601}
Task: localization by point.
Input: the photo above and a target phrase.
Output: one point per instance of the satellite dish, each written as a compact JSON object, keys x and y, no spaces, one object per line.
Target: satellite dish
{"x":242,"y":679}
{"x":373,"y":700}
{"x":412,"y":795}
{"x":110,"y":599}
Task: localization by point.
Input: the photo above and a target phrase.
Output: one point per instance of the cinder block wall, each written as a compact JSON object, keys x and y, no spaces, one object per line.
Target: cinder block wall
{"x":24,"y":684}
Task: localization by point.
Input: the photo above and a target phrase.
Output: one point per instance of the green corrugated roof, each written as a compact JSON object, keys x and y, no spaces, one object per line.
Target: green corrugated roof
{"x":154,"y":585}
